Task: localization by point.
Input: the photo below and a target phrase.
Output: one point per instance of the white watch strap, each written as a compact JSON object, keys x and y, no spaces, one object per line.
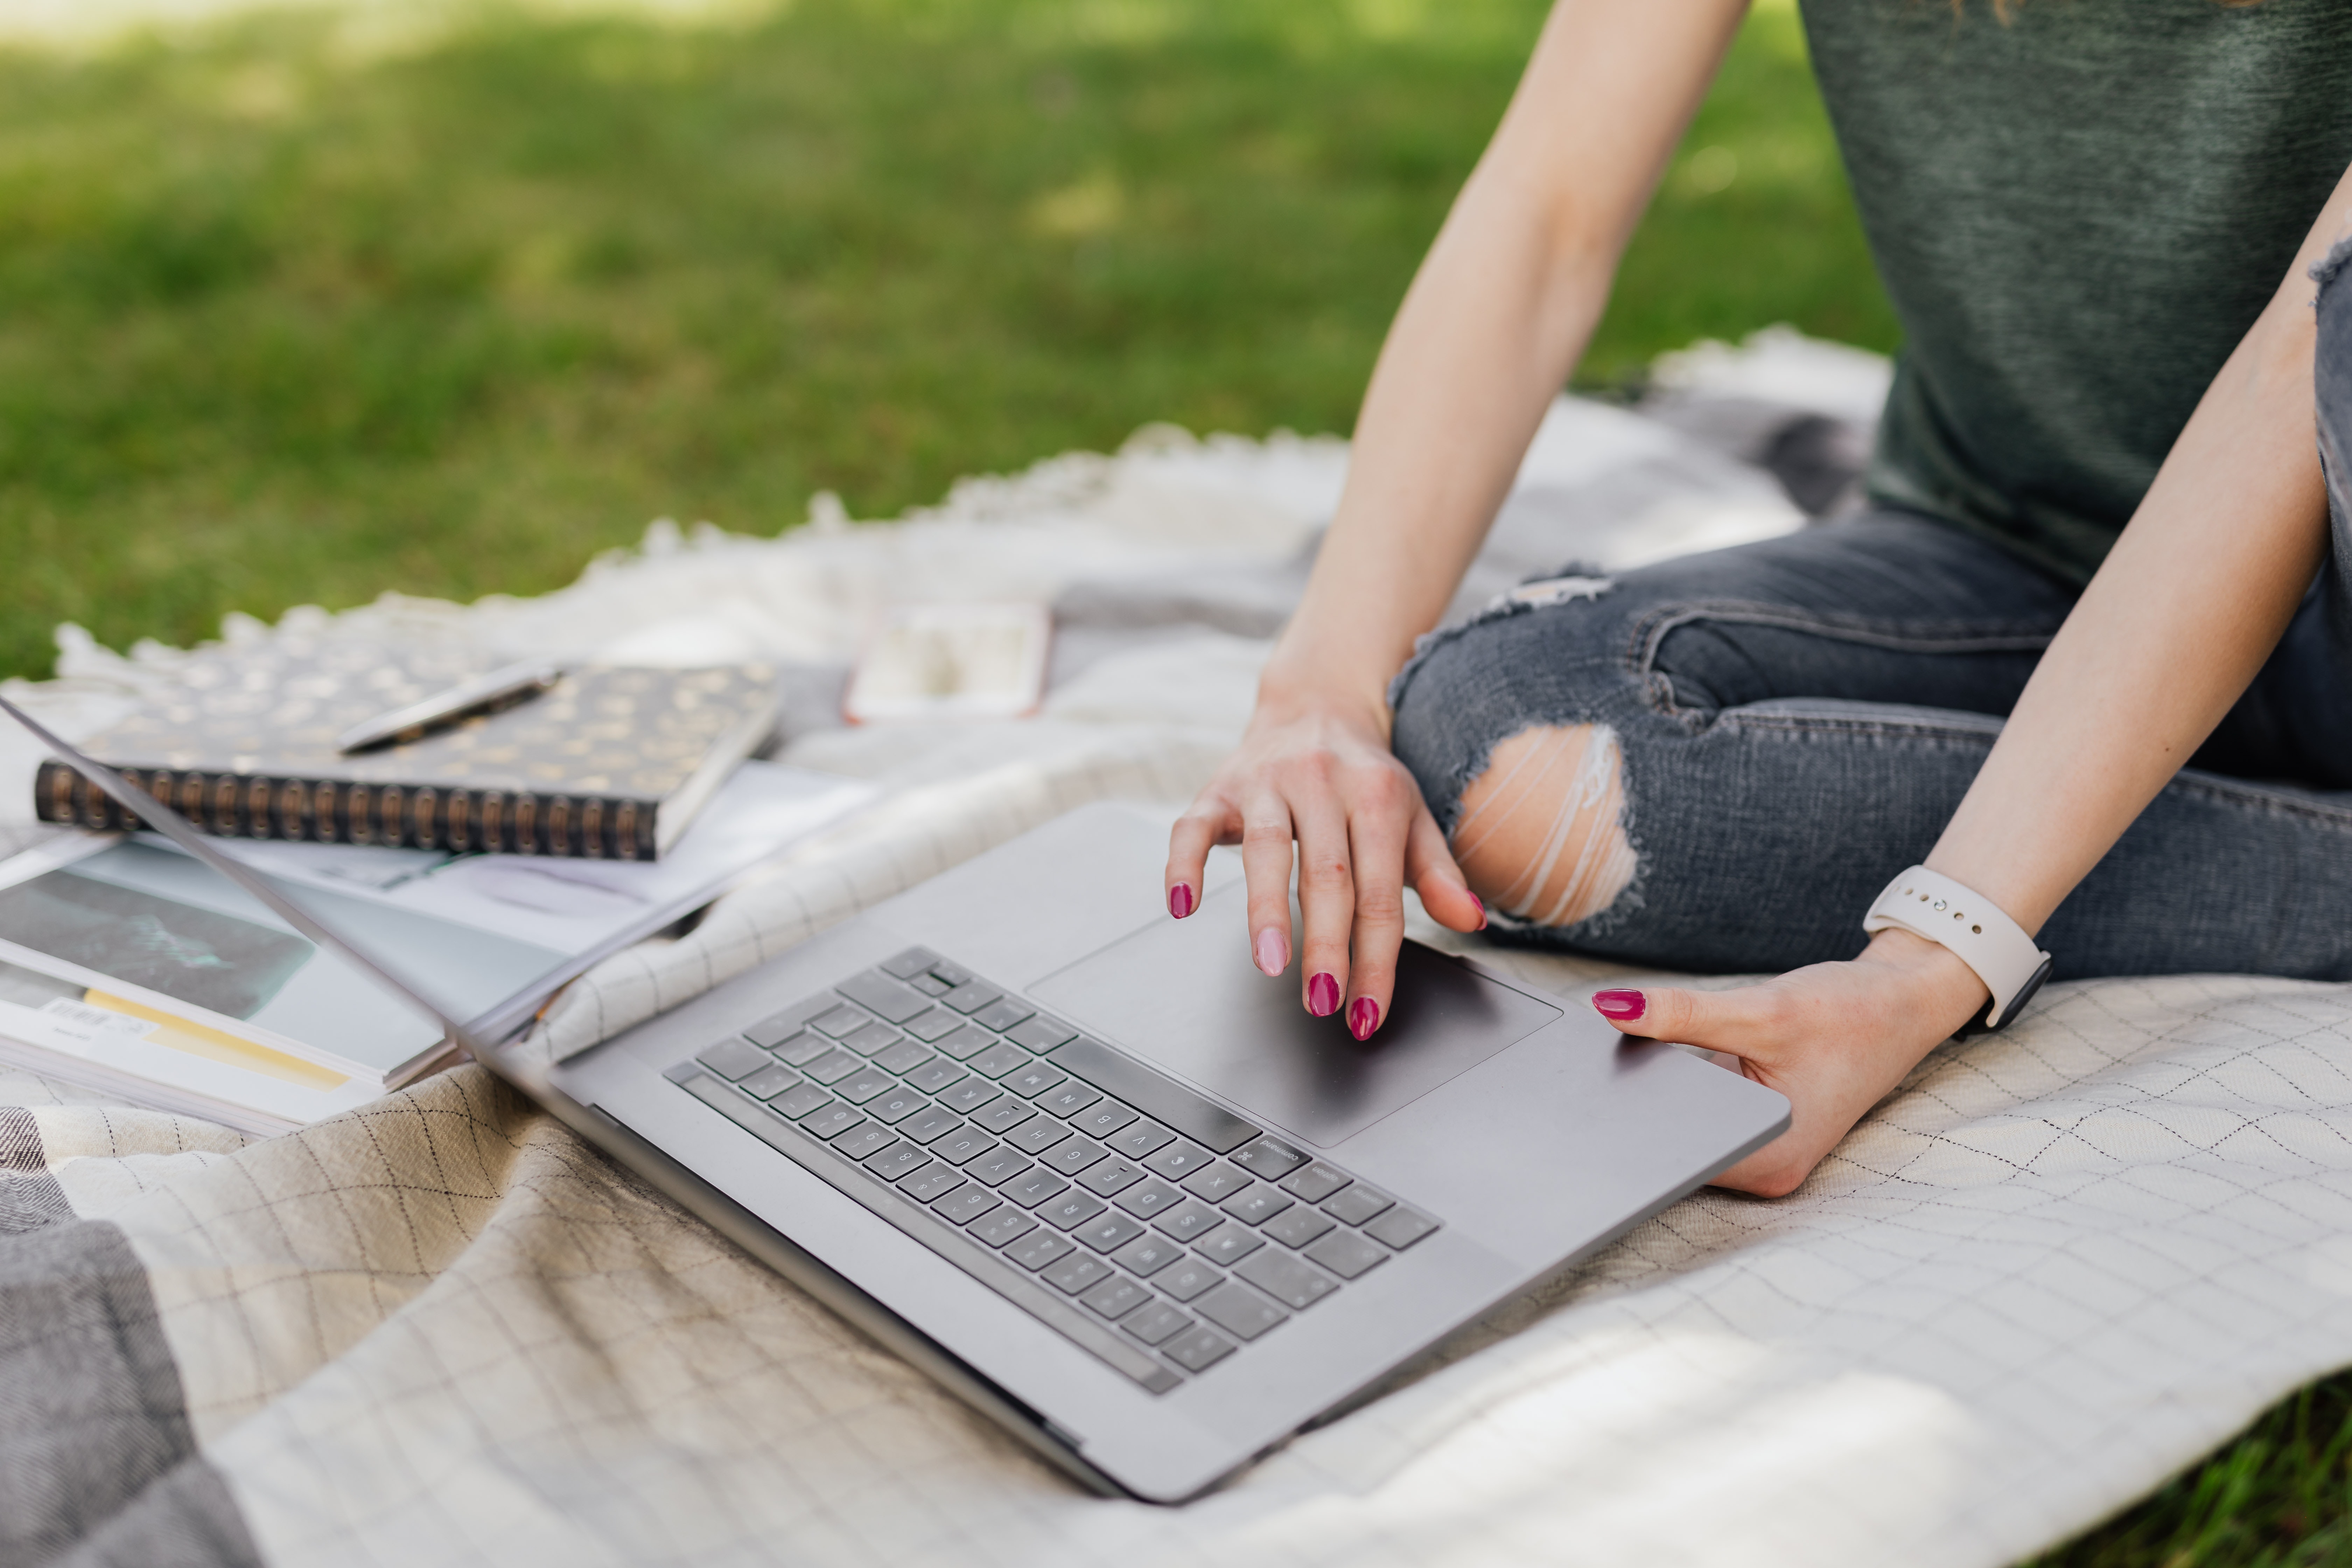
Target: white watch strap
{"x":1930,"y":904}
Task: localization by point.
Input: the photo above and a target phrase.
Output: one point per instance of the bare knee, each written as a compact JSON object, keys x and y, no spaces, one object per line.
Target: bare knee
{"x":1541,"y":833}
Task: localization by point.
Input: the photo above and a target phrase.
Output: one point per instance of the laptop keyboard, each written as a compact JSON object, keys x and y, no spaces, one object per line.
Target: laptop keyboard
{"x":1150,"y":1226}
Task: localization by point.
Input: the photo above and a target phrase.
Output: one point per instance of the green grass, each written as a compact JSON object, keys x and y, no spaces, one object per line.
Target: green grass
{"x":281,"y":322}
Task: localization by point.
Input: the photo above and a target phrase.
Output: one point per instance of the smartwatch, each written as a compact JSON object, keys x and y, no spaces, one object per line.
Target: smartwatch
{"x":1930,"y":904}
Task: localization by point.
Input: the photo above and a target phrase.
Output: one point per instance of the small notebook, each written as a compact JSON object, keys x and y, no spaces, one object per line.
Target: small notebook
{"x":610,"y":764}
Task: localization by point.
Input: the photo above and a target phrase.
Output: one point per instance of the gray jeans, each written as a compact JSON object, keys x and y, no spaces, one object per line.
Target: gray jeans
{"x":1797,"y":720}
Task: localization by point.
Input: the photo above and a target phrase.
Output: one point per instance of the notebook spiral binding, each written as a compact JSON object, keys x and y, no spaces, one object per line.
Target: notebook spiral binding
{"x":321,"y":811}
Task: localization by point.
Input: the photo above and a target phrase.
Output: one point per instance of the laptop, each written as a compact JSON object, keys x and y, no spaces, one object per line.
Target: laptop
{"x":1099,"y":1177}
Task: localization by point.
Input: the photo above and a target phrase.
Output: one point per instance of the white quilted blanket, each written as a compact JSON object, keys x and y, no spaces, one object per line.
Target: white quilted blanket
{"x":2058,"y":1264}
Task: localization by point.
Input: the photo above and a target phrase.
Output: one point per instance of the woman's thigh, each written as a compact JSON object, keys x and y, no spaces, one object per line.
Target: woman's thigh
{"x":1716,"y":763}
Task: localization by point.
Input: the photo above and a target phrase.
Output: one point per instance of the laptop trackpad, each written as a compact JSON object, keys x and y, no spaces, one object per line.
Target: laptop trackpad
{"x":1185,"y":995}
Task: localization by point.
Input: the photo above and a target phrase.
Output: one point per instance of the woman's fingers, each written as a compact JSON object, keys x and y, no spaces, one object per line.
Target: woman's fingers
{"x":1430,"y":867}
{"x":1379,"y":822}
{"x":1742,"y":1022}
{"x":1210,"y":822}
{"x":1265,"y":862}
{"x":1327,"y":895}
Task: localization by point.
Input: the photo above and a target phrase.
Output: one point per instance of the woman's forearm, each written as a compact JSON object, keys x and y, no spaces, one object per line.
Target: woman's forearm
{"x":2173,"y":628}
{"x":1496,"y":319}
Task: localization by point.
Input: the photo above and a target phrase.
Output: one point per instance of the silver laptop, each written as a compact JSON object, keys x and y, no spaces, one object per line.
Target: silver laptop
{"x":1101,"y":1178}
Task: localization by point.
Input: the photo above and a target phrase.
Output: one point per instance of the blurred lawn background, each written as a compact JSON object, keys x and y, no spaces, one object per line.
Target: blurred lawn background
{"x":293,"y":311}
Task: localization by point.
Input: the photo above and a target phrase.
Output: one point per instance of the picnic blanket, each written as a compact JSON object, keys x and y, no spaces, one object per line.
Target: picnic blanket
{"x":2056,"y":1264}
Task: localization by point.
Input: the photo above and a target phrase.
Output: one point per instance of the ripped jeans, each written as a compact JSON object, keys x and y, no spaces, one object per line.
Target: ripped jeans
{"x":1777,"y":730}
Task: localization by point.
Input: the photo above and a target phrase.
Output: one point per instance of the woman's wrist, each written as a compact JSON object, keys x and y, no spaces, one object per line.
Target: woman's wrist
{"x":1946,"y":989}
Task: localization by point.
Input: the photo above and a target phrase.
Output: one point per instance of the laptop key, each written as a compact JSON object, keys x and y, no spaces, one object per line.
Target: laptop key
{"x":1315,"y":1183}
{"x":1070,"y":1210}
{"x":1179,"y":1160}
{"x":1358,"y":1204}
{"x":1003,"y":1114}
{"x":862,"y":1141}
{"x":903,"y":1057}
{"x":1034,"y":1188}
{"x":999,"y":1166}
{"x":1156,"y":1322}
{"x":1079,"y":1271}
{"x":1035,"y":1080}
{"x":1003,"y":1015}
{"x":965,"y":1043}
{"x":866,"y":1083}
{"x":1037,"y":1134}
{"x":1240,"y":1312}
{"x":934,"y":1076}
{"x":931,"y":1125}
{"x":1114,"y":1297}
{"x":1038,"y":1249}
{"x":1187,"y":1277}
{"x":832,"y":1067}
{"x":1201,"y":1120}
{"x":1076,"y":1155}
{"x":883,"y":996}
{"x":1041,"y":1034}
{"x":1298,"y":1226}
{"x":1109,"y":1232}
{"x":895,"y":1106}
{"x":1400,"y":1227}
{"x":930,"y":1026}
{"x":832,"y":1122}
{"x":1255,"y":1204}
{"x":733,"y":1060}
{"x":1006,"y":1225}
{"x":1112,"y":1176}
{"x":913,"y":962}
{"x":1140,"y":1139}
{"x":967,"y":1203}
{"x":804,"y":1046}
{"x":1286,"y":1279}
{"x":1069,"y":1100}
{"x":998,"y":1060}
{"x":873,"y":1037}
{"x":1147,"y":1254}
{"x":966,"y":1145}
{"x":769,"y":1081}
{"x":971,"y":997}
{"x":1269,"y":1158}
{"x":1104,"y":1119}
{"x":954,"y":974}
{"x":930,"y":985}
{"x":1229,"y":1244}
{"x":1191,"y":1218}
{"x":1216,"y":1184}
{"x":840,"y":1020}
{"x":1347,"y":1255}
{"x":968,"y":1096}
{"x":776,"y":1028}
{"x":1150,"y":1198}
{"x":799,"y":1102}
{"x":932,"y":1181}
{"x":897,"y":1159}
{"x":1198,"y":1349}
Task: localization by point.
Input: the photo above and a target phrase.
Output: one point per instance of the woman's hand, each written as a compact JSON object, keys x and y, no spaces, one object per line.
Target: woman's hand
{"x":1319,"y":771}
{"x":1835,"y":1038}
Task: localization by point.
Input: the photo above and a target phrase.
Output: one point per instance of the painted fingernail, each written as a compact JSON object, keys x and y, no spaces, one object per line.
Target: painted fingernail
{"x":1618,"y":1004}
{"x":1322,"y":995}
{"x":1363,"y":1017}
{"x":1180,"y":900}
{"x":1272,"y":951}
{"x":1481,"y":910}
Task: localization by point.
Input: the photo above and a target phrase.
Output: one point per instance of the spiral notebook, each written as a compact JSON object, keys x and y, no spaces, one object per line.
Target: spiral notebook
{"x":610,"y":764}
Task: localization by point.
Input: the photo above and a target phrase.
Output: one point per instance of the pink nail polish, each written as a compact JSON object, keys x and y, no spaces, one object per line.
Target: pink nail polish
{"x":1323,"y":996}
{"x":1482,"y":910}
{"x":1625,"y":1004}
{"x":1363,"y":1017}
{"x":1180,"y":900}
{"x":1272,"y":949}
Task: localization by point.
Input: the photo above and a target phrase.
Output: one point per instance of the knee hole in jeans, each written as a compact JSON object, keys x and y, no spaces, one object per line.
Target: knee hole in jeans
{"x":1541,"y":833}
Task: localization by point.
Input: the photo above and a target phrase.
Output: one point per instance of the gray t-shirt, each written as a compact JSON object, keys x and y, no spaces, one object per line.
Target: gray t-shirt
{"x":2078,"y":214}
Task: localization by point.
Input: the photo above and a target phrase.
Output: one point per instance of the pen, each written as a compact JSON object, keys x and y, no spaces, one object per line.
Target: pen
{"x":516,"y":682}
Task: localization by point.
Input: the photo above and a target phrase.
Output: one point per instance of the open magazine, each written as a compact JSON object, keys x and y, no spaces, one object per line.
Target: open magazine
{"x":126,"y":965}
